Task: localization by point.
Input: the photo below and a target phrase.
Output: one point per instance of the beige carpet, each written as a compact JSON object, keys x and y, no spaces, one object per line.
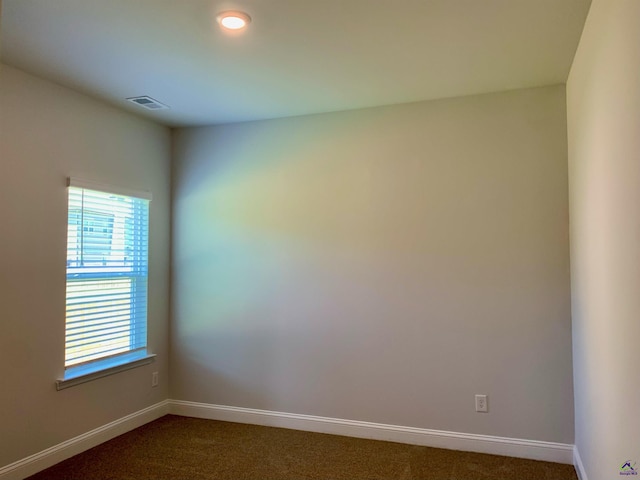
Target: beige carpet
{"x":181,"y":448}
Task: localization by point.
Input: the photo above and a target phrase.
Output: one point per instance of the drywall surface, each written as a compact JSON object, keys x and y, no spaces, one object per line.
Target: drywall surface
{"x":381,"y":265}
{"x":48,"y":133}
{"x":603,"y":101}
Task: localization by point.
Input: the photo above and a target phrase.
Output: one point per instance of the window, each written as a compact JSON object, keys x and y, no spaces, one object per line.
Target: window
{"x":107,"y":268}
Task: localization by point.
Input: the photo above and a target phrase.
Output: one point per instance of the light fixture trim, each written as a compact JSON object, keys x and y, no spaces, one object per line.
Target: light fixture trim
{"x":233,"y":20}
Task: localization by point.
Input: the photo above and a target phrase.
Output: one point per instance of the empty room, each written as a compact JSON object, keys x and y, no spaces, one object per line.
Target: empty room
{"x":346,"y":239}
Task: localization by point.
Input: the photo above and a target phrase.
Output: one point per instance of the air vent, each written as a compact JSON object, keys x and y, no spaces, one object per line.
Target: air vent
{"x":148,"y":103}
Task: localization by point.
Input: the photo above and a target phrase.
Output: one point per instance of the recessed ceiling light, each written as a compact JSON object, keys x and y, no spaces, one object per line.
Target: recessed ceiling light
{"x":233,"y":20}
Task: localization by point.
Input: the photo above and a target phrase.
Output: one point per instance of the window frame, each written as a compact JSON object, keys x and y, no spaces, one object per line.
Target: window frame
{"x":100,"y":367}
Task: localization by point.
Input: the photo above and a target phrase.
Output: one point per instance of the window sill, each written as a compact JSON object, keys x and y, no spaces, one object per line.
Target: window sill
{"x":85,"y":373}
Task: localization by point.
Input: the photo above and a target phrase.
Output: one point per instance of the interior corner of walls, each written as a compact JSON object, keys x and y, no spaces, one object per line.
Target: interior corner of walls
{"x":579,"y":466}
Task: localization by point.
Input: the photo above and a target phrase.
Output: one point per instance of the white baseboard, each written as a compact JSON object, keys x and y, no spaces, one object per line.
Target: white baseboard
{"x":46,"y":458}
{"x":577,"y":463}
{"x":512,"y":447}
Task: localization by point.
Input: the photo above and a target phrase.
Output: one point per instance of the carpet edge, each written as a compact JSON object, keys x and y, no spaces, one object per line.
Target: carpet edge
{"x":511,"y":447}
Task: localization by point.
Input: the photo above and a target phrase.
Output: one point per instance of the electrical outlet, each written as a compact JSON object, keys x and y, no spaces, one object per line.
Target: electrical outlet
{"x":481,"y":404}
{"x":154,"y":379}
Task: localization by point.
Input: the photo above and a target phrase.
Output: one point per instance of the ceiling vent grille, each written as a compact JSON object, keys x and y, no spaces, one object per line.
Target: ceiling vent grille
{"x":148,"y":103}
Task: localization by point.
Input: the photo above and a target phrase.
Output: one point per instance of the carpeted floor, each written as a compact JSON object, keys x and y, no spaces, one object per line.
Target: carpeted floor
{"x":181,"y":448}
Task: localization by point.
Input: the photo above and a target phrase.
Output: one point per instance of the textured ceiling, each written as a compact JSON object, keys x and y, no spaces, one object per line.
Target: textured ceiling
{"x":297,"y":57}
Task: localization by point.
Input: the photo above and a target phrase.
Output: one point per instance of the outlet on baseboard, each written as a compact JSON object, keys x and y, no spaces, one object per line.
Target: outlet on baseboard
{"x":154,"y":379}
{"x":482,"y":404}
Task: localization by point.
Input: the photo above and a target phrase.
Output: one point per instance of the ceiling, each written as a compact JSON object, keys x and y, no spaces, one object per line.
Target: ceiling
{"x":297,"y":56}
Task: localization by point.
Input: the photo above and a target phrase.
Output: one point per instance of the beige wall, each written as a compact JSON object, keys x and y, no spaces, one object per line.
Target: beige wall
{"x":381,"y":265}
{"x":603,"y":97}
{"x":47,"y":133}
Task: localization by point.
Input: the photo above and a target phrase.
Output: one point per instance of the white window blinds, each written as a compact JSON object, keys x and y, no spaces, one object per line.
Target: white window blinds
{"x":107,"y":264}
